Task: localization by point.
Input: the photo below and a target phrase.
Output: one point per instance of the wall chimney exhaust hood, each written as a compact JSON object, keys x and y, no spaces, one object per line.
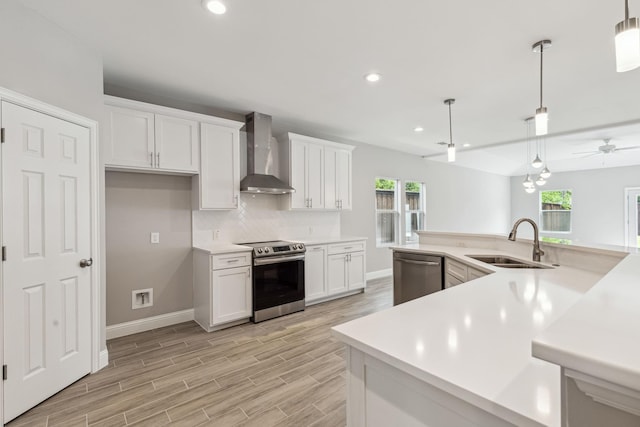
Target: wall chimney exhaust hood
{"x":260,"y":178}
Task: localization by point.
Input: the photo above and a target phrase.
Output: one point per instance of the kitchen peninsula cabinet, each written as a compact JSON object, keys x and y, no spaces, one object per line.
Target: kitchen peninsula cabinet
{"x":149,"y":138}
{"x":222,"y":290}
{"x":334,"y":269}
{"x":319,"y":171}
{"x":456,"y":272}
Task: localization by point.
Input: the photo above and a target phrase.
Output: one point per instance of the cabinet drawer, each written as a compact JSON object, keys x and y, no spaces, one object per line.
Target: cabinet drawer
{"x":341,"y":248}
{"x":450,"y":281}
{"x":456,"y":269}
{"x":221,"y":261}
{"x":474,"y":273}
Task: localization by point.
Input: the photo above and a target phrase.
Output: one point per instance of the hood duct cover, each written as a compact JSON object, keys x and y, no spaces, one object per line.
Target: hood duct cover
{"x":260,"y":178}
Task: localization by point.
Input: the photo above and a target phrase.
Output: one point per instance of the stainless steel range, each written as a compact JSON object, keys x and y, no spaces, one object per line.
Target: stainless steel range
{"x":278,"y":279}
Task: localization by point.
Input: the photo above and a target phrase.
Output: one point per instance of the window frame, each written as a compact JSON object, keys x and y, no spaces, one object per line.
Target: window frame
{"x":421,"y":210}
{"x":541,"y":211}
{"x":396,"y":211}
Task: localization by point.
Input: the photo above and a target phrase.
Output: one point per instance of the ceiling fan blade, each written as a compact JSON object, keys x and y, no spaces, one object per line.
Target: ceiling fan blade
{"x":587,"y":152}
{"x":591,"y":154}
{"x":635,"y":147}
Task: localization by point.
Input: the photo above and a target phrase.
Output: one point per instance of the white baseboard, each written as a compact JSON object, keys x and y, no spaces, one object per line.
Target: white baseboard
{"x":103,"y":359}
{"x":135,"y":326}
{"x":388,"y":272}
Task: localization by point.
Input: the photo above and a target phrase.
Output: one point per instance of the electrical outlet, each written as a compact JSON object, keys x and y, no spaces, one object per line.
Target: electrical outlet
{"x":216,"y":234}
{"x":155,"y":237}
{"x":141,"y":298}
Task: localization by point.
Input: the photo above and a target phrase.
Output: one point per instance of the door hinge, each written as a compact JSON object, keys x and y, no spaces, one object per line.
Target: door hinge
{"x":1,"y":134}
{"x":4,"y":372}
{"x":4,"y":253}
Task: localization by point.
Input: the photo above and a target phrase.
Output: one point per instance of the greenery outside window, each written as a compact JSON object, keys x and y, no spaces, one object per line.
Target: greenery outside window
{"x":414,"y":211}
{"x":387,"y":211}
{"x":555,"y":211}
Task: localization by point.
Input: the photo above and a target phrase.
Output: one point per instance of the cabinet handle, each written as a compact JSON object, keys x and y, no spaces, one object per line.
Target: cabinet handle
{"x":235,"y":200}
{"x":229,"y":261}
{"x":340,"y":204}
{"x":151,"y":159}
{"x":311,"y":202}
{"x":157,"y":160}
{"x":317,"y":249}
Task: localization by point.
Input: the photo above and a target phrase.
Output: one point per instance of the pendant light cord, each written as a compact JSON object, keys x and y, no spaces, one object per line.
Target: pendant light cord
{"x":626,"y":10}
{"x":541,"y":56}
{"x":450,"y":127}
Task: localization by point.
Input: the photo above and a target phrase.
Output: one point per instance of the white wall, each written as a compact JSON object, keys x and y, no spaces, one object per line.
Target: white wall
{"x":598,"y":203}
{"x":457,"y":199}
{"x":43,"y":61}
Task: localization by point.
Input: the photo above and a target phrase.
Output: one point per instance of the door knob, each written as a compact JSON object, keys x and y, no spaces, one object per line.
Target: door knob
{"x":84,"y":263}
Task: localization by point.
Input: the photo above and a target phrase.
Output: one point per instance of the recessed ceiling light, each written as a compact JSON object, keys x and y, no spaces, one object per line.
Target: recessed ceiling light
{"x":214,"y":6}
{"x":466,"y":145}
{"x":372,"y":77}
{"x":418,"y":129}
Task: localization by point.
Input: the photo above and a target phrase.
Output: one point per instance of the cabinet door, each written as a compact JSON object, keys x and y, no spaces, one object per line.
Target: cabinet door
{"x":337,"y":276}
{"x":450,"y":281}
{"x":315,"y":273}
{"x":315,"y":175}
{"x":356,"y":270}
{"x":130,"y":140}
{"x":473,"y":273}
{"x":343,"y":178}
{"x":176,"y":144}
{"x":331,"y":196}
{"x":219,"y":168}
{"x":231,"y":295}
{"x":298,"y":175}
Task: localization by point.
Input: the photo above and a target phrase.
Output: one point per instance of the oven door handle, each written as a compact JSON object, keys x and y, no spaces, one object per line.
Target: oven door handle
{"x":278,"y":259}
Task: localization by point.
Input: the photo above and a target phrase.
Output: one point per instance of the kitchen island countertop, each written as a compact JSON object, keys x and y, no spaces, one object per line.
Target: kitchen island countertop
{"x":474,"y":340}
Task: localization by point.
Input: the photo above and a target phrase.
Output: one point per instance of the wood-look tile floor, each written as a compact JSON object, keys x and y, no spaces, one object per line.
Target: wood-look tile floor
{"x":287,"y":371}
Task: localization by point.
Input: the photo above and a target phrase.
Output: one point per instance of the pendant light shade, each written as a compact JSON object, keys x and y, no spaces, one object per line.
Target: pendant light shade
{"x":528,"y":182}
{"x":542,"y":117}
{"x":540,"y":181}
{"x":546,"y":173}
{"x":451,"y":148}
{"x":537,"y":163}
{"x":627,"y":42}
{"x":530,"y":189}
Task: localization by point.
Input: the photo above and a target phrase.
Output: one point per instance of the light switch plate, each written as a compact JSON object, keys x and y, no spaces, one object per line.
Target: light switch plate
{"x":155,"y":237}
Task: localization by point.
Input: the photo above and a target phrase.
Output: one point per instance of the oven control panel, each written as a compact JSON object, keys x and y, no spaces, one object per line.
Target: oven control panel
{"x":288,"y":249}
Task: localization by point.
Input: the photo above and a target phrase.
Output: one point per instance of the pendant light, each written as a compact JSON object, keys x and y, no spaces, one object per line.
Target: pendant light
{"x":542,"y":117}
{"x":451,"y":148}
{"x":627,"y":42}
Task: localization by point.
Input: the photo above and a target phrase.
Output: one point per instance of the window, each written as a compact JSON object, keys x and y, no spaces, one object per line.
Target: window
{"x":414,"y":210}
{"x":555,"y":211}
{"x":387,"y":212}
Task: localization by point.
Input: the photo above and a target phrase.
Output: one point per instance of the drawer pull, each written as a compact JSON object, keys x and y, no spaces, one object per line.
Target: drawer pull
{"x":232,"y":260}
{"x":348,"y":247}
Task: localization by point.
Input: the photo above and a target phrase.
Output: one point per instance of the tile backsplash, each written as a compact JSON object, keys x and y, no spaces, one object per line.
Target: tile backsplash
{"x":259,"y":218}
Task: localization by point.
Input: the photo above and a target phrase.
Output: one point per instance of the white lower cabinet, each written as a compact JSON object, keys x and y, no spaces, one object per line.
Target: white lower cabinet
{"x":456,"y":273}
{"x":334,"y":270}
{"x":222,"y":289}
{"x":315,"y":272}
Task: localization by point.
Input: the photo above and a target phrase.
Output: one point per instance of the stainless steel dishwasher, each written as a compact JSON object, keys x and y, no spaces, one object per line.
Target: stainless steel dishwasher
{"x":415,"y":275}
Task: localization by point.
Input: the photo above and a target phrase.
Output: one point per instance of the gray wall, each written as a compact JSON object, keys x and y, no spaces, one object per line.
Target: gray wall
{"x":136,"y":205}
{"x":598,"y":203}
{"x":458,"y":199}
{"x":43,"y":61}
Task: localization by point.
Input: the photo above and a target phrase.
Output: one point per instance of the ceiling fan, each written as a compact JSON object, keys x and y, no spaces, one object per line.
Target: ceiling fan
{"x":607,"y":148}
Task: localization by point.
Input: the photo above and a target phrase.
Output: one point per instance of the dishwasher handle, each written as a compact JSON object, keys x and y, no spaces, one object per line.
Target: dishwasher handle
{"x":410,"y":261}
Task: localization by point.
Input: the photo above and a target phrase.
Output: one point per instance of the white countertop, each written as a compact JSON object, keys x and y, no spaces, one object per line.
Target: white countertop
{"x":222,"y":248}
{"x":327,"y":240}
{"x":610,"y":311}
{"x":474,"y":340}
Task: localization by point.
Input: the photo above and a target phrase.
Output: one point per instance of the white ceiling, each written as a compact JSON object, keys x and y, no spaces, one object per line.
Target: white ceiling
{"x":303,"y":62}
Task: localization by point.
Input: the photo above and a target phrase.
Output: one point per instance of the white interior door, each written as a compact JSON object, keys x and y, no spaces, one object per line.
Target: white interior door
{"x":633,"y":217}
{"x":47,"y":230}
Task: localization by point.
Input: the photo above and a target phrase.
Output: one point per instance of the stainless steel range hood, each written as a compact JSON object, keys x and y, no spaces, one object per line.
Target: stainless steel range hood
{"x":260,"y":178}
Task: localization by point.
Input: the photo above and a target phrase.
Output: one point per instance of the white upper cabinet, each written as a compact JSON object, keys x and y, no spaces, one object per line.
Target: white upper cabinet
{"x":337,"y":188}
{"x":176,"y":143}
{"x":218,"y":185}
{"x":150,"y":138}
{"x":131,"y":140}
{"x":319,"y":171}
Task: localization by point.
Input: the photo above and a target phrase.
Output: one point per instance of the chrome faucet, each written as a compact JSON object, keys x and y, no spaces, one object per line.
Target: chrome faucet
{"x":537,"y":252}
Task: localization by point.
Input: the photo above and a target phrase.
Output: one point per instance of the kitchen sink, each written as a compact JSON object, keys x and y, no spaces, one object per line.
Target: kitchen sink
{"x":505,"y":261}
